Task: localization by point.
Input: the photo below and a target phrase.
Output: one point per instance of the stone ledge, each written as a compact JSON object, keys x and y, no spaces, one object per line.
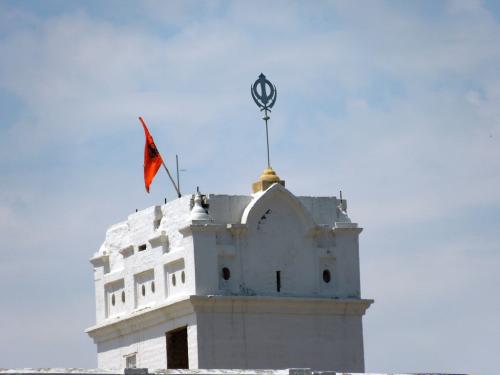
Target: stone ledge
{"x":295,"y":305}
{"x":185,"y":305}
{"x":291,"y":371}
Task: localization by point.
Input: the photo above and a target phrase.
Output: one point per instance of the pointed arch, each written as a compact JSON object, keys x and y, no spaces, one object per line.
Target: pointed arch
{"x":262,"y":199}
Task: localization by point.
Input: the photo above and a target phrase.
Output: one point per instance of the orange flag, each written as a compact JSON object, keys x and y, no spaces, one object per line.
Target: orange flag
{"x":152,"y":158}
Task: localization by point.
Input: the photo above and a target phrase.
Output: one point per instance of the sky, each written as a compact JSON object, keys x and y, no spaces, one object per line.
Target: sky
{"x":396,"y":103}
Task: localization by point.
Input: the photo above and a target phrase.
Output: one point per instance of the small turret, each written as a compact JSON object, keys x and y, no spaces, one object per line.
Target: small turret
{"x":198,"y":213}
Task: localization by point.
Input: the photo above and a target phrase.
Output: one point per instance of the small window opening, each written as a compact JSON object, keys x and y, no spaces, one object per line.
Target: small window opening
{"x":152,"y":286}
{"x":113,"y":299}
{"x":173,"y":279}
{"x":130,"y":361}
{"x":143,"y":290}
{"x":327,"y":276}
{"x":278,"y":281}
{"x":226,"y":273}
{"x":123,"y":296}
{"x":183,"y":277}
{"x":142,"y":247}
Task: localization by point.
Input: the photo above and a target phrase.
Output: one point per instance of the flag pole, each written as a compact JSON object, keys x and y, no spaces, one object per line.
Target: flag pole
{"x":171,"y":179}
{"x":163,"y":163}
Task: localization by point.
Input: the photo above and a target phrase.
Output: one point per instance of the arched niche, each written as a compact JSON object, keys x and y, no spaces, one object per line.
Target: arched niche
{"x":278,"y":252}
{"x":253,"y":212}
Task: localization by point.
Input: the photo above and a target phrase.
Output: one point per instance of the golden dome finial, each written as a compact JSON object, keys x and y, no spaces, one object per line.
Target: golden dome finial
{"x":266,"y":179}
{"x":269,"y":175}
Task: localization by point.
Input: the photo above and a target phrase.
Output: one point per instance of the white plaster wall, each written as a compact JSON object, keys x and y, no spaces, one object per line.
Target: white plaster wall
{"x":347,"y":274}
{"x":114,"y":301}
{"x":278,"y":236}
{"x":227,"y":208}
{"x":144,"y":288}
{"x":205,"y":262}
{"x":278,"y":240}
{"x":100,"y":295}
{"x":149,"y":345}
{"x":254,"y":236}
{"x":176,"y":278}
{"x":241,"y":340}
{"x":322,"y":209}
{"x":119,"y":260}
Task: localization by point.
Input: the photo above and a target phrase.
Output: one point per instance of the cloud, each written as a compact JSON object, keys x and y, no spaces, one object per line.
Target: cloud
{"x":395,"y":105}
{"x":430,"y":297}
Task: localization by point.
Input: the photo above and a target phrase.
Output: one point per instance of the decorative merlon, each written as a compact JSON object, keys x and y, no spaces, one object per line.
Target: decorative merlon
{"x":160,"y":239}
{"x":99,"y":260}
{"x":127,"y":251}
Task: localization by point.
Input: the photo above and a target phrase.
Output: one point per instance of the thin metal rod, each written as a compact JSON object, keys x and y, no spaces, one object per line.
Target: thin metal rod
{"x":171,"y":179}
{"x":177,"y":167}
{"x":266,"y":118}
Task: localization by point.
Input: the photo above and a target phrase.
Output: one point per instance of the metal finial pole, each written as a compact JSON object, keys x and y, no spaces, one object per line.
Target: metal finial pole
{"x":266,"y":118}
{"x":265,"y":99}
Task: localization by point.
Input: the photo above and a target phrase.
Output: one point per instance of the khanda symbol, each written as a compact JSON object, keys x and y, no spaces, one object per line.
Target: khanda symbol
{"x":267,"y":96}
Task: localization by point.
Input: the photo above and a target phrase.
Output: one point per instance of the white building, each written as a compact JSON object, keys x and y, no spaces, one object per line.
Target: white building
{"x":268,"y":280}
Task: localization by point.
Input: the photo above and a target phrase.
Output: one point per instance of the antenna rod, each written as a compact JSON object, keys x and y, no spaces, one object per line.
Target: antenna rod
{"x":177,"y":166}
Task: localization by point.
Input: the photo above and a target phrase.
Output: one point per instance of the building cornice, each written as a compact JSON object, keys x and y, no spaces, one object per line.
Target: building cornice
{"x":345,"y":228}
{"x":203,"y":226}
{"x":156,"y":314}
{"x":139,"y":319}
{"x":281,"y":305}
{"x":200,"y":226}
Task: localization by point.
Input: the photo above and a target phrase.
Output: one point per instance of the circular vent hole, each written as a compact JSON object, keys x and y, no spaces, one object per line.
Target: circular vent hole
{"x":123,"y":296}
{"x":173,"y":279}
{"x":113,"y":299}
{"x":143,"y":290}
{"x":183,"y":277}
{"x":152,"y":286}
